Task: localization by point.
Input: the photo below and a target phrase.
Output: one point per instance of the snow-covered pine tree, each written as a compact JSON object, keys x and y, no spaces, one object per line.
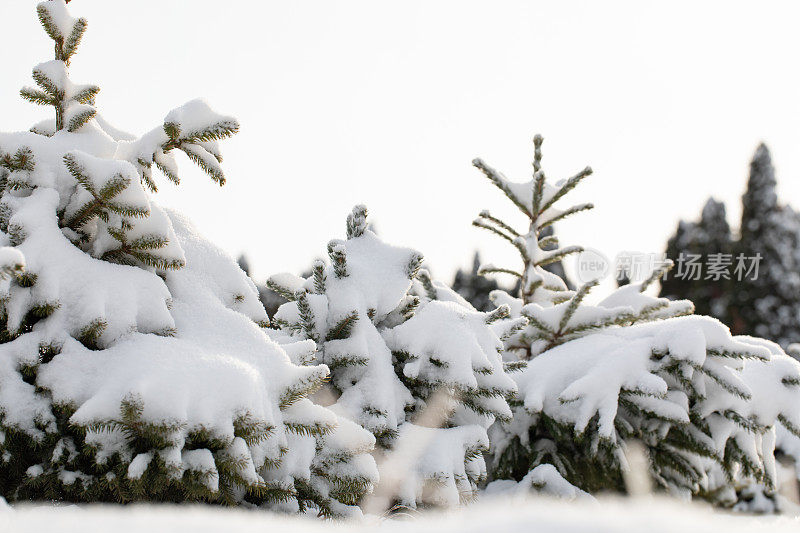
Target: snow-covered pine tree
{"x":768,"y":306}
{"x":630,"y":368}
{"x":392,"y":338}
{"x":134,"y":363}
{"x":699,"y":241}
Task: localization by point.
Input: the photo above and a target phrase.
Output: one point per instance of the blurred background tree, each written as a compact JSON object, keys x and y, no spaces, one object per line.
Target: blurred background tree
{"x":763,"y":302}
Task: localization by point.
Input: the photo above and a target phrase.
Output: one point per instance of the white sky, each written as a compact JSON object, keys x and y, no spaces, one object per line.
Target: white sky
{"x":386,"y":103}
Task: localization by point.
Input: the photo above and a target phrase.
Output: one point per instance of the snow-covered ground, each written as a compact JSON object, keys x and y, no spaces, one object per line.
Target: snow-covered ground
{"x":506,"y":516}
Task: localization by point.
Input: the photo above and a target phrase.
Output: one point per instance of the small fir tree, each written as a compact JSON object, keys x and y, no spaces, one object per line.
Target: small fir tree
{"x":134,"y":364}
{"x":392,"y":338}
{"x":595,"y":378}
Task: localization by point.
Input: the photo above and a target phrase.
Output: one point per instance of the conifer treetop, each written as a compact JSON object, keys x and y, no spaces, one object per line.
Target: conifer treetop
{"x":536,"y":199}
{"x":101,"y":173}
{"x":760,"y":198}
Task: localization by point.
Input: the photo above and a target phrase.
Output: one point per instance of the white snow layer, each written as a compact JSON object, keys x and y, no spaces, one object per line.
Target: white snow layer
{"x":509,"y":515}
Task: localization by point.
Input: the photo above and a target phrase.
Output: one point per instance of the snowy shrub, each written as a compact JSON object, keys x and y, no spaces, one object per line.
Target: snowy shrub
{"x":706,"y":405}
{"x":134,"y":363}
{"x":393,"y":338}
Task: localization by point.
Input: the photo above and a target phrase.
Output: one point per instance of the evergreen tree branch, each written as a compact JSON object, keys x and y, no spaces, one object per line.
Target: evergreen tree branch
{"x":568,"y":186}
{"x":36,"y":96}
{"x":574,"y":303}
{"x":501,"y":183}
{"x":571,"y":211}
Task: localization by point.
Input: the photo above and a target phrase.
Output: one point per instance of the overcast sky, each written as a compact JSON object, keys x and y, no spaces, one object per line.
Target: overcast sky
{"x":386,"y":103}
